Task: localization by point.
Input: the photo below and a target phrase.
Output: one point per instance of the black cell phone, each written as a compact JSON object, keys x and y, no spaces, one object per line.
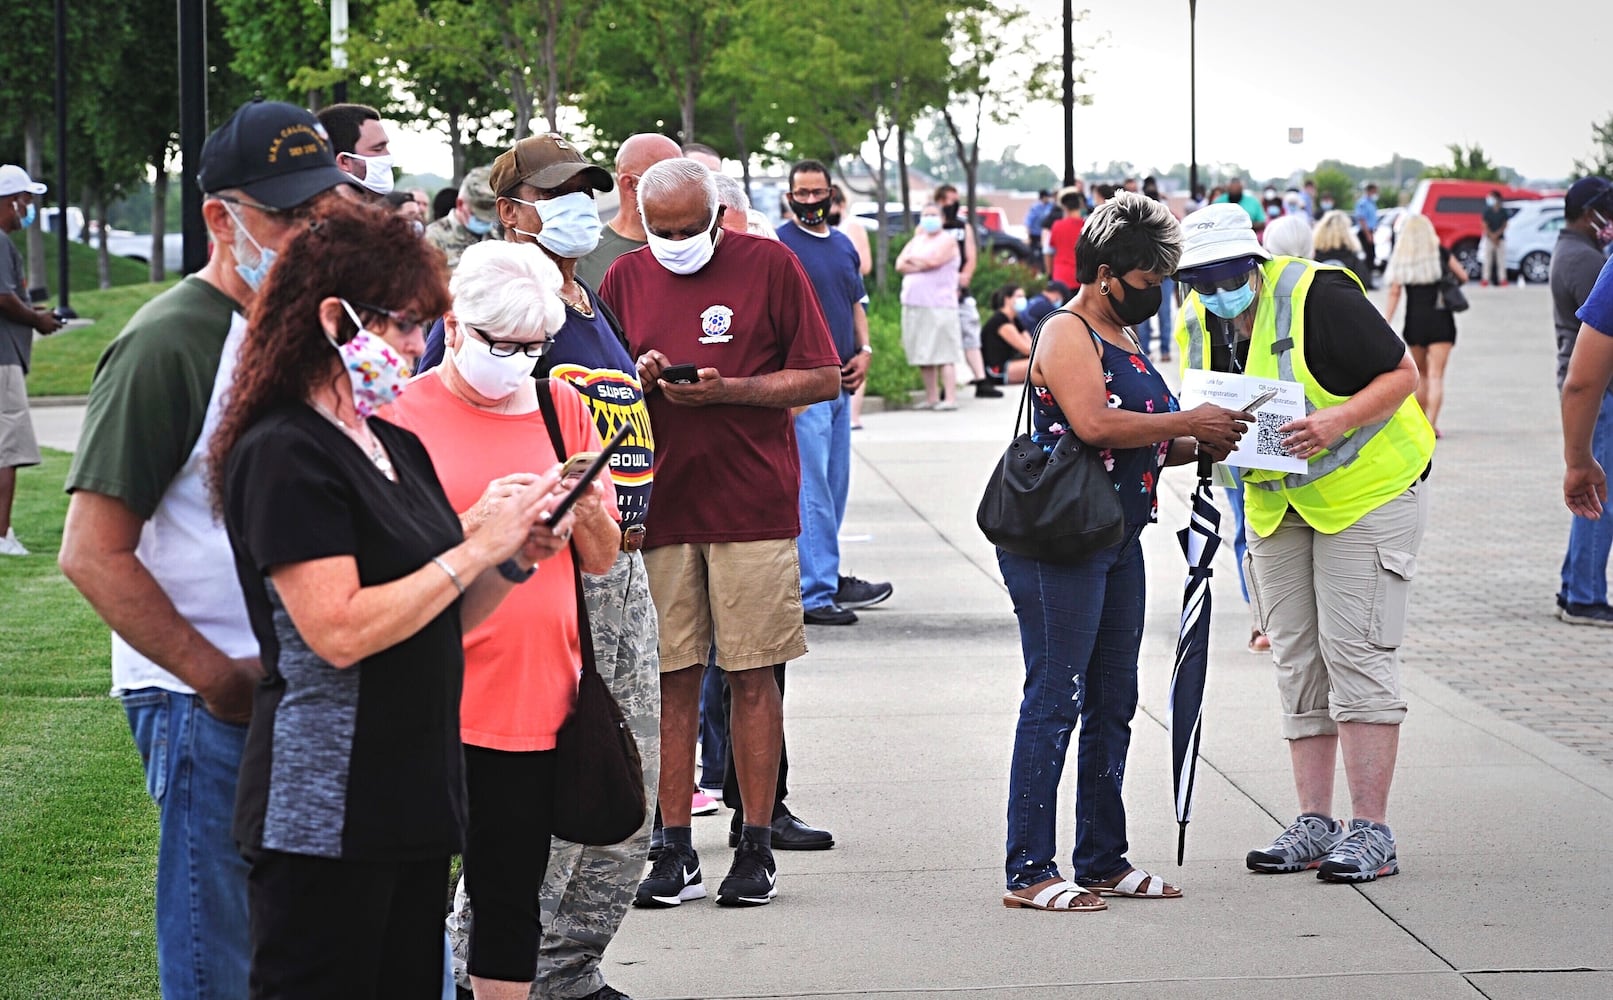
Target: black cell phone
{"x":680,"y":374}
{"x":589,"y":474}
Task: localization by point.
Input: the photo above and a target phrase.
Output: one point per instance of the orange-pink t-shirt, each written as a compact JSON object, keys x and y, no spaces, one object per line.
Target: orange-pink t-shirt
{"x":522,"y":663}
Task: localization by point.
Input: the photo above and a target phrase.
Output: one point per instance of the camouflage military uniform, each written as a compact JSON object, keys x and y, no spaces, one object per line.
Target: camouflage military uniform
{"x":587,"y":890}
{"x":448,"y":234}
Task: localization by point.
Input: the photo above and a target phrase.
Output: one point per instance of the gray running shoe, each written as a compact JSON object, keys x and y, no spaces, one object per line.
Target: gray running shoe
{"x":1366,"y":854}
{"x":1304,"y":845}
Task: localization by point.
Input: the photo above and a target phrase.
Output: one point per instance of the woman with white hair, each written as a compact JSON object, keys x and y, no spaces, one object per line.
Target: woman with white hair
{"x":1415,"y":270}
{"x":1288,"y":236}
{"x":1334,"y":241}
{"x":479,"y":416}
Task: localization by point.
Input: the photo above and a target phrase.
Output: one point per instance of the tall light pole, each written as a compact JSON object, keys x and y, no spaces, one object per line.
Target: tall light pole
{"x":192,"y":129}
{"x":1069,"y":94}
{"x":338,"y":47}
{"x":1192,"y":99}
{"x":62,"y":309}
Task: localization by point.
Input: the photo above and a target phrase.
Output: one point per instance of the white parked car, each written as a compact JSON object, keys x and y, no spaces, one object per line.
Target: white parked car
{"x":1531,"y":235}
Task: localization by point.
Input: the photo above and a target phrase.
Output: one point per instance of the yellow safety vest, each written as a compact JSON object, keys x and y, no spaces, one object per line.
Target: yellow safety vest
{"x":1370,"y":466}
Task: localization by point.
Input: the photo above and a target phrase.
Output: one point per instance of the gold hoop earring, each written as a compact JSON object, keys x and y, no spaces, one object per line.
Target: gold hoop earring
{"x":1103,"y":288}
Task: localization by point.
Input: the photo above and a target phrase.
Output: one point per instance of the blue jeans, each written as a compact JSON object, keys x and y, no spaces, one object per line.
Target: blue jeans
{"x":1589,"y":542}
{"x":823,"y":437}
{"x":1240,"y":540}
{"x":191,"y":761}
{"x":1080,"y":627}
{"x":713,"y":727}
{"x":1145,"y":329}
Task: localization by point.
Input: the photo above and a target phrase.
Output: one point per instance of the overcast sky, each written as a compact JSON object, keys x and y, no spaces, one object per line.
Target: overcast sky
{"x":1364,"y":79}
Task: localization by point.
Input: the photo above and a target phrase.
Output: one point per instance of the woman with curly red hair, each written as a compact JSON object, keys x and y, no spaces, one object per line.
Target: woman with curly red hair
{"x":359,"y":583}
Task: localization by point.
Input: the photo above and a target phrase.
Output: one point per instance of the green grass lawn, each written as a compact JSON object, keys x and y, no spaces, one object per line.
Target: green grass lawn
{"x":64,"y":362}
{"x":78,"y":835}
{"x":83,"y":272}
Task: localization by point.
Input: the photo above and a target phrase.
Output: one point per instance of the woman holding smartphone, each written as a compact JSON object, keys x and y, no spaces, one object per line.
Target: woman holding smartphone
{"x":479,"y":417}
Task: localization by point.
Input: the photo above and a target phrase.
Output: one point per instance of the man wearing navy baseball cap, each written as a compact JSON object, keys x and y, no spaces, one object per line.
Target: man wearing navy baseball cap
{"x":142,"y":544}
{"x":1576,"y":261}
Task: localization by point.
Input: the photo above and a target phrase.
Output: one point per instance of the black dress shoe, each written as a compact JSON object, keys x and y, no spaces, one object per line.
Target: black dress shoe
{"x":790,"y":834}
{"x":829,"y":614}
{"x":986,"y":389}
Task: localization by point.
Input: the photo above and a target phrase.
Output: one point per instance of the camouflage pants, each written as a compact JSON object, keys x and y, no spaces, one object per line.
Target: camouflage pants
{"x":587,"y":890}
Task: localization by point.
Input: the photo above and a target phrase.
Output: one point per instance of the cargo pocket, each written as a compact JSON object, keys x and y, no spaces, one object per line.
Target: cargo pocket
{"x":1395,"y":570}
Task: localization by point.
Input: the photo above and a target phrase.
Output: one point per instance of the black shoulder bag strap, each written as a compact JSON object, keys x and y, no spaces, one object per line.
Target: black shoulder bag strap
{"x":551,"y":421}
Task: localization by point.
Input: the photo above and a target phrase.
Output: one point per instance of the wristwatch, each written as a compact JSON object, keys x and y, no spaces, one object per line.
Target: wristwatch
{"x":511,"y":570}
{"x":866,"y":349}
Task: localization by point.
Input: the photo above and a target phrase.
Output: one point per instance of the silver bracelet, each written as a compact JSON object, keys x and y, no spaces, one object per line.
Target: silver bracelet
{"x":452,"y":576}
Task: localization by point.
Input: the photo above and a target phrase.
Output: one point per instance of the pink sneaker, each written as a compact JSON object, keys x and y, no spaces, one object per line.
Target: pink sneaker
{"x":703,"y":805}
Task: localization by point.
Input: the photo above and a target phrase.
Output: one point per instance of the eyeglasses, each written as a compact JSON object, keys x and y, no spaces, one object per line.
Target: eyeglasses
{"x":406,"y":325}
{"x":810,"y":194}
{"x":510,"y":348}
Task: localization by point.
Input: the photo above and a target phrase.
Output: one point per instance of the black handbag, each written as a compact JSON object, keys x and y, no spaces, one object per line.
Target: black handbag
{"x":1451,"y":296}
{"x":1058,"y":506}
{"x":599,"y":794}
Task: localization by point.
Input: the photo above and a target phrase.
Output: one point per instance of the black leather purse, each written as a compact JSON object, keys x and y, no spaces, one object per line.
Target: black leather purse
{"x":599,"y":796}
{"x":1058,"y":506}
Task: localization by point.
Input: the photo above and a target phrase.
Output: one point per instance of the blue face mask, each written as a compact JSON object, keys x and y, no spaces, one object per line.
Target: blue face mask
{"x":930,"y":223}
{"x":477,"y":227}
{"x":26,"y":219}
{"x":571,"y":224}
{"x":1230,"y":304}
{"x":253,"y":274}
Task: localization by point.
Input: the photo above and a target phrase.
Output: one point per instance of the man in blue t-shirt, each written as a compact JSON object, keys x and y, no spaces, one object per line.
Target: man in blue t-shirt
{"x":823,"y":430}
{"x":1588,"y":429}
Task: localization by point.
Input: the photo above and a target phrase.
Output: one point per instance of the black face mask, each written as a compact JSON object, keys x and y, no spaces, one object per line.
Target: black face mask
{"x":1138,"y":305}
{"x":811,"y":213}
{"x":950,"y":211}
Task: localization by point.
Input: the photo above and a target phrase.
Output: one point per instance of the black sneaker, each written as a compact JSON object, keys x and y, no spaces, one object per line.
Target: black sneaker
{"x":752,"y":881}
{"x":1586,"y":614}
{"x":674,"y":879}
{"x":855,"y":594}
{"x":986,"y":389}
{"x":829,"y":614}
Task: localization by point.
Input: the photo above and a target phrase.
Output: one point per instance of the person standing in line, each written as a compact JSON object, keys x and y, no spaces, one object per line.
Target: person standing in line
{"x":741,"y":311}
{"x":823,"y":430}
{"x":1236,"y":195}
{"x":143,"y":547}
{"x":471,"y":220}
{"x":19,"y":321}
{"x":1416,"y":269}
{"x":625,"y":232}
{"x":1035,"y":222}
{"x":1334,"y":242}
{"x":928,"y":264}
{"x":962,"y":229}
{"x":1063,"y":236}
{"x":1332,"y":551}
{"x":362,"y":146}
{"x":1366,"y":221}
{"x":1493,"y":263}
{"x":1577,"y":261}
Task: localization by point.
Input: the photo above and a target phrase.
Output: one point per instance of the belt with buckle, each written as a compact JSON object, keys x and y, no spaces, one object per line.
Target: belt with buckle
{"x":633,"y":538}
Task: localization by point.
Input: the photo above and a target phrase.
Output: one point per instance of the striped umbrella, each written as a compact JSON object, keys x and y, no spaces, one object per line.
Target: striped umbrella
{"x":1199,"y":539}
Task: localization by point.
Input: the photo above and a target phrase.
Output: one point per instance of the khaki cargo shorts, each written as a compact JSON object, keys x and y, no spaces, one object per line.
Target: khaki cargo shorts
{"x":745,"y":596}
{"x":17,"y":443}
{"x":1335,"y":609}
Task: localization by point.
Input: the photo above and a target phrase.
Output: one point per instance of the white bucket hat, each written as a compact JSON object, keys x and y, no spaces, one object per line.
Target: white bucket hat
{"x":1218,"y":232}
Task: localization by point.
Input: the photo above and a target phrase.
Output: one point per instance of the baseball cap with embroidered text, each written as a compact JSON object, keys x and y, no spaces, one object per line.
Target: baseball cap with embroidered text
{"x":545,"y":161}
{"x":277,"y":153}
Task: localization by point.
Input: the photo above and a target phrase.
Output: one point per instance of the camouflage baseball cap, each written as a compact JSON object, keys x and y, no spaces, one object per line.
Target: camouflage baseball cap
{"x":477,"y":190}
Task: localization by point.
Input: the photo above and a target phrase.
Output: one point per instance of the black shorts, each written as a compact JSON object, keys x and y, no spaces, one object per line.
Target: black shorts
{"x":324,"y":927}
{"x":511,"y":797}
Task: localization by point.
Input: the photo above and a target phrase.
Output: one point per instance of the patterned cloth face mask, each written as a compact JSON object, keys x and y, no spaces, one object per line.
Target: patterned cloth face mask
{"x":378,"y":372}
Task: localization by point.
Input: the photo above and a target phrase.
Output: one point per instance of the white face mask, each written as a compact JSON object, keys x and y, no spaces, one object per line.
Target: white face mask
{"x":493,"y":378}
{"x":377,"y":172}
{"x":683,"y":256}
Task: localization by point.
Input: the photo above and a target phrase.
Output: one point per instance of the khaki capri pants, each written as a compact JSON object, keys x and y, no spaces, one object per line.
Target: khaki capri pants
{"x":1334,"y":607}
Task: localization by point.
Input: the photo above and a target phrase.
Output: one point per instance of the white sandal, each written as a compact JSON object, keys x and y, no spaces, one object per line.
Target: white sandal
{"x":1056,"y":896}
{"x":1129,"y":885}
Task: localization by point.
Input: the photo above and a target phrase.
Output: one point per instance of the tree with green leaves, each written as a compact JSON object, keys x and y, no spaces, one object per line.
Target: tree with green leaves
{"x":1467,"y":163}
{"x":999,"y":70}
{"x":1600,"y":163}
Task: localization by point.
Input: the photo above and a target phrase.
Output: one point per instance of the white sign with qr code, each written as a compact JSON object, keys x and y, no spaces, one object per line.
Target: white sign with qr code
{"x":1261,"y":447}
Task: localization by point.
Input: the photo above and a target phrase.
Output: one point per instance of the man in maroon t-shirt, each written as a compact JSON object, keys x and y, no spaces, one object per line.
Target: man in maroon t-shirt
{"x":720,"y":544}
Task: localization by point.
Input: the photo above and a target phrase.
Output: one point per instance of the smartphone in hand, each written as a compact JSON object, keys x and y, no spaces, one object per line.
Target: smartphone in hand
{"x":577,"y":463}
{"x":680,"y":374}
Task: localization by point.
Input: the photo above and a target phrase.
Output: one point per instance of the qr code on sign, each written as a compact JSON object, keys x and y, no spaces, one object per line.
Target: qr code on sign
{"x":1269,"y":441}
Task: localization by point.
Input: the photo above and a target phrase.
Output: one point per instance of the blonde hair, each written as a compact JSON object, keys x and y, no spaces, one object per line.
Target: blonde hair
{"x":1335,"y":232}
{"x":1416,"y":258}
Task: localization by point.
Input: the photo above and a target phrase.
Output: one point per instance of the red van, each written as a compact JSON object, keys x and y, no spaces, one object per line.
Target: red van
{"x":1456,"y":209}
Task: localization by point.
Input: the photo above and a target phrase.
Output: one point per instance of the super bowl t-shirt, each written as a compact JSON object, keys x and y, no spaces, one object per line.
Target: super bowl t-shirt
{"x":723,"y":473}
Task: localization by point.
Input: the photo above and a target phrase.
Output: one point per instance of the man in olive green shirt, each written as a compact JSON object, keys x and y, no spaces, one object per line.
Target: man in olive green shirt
{"x":625,"y":233}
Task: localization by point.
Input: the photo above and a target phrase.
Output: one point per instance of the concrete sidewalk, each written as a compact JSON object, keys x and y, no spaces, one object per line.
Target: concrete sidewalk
{"x":901,"y":728}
